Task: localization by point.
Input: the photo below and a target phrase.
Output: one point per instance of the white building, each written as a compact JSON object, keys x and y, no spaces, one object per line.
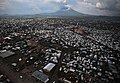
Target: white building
{"x":49,"y":67}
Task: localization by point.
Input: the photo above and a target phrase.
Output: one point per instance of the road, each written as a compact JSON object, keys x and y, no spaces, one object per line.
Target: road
{"x":54,"y":76}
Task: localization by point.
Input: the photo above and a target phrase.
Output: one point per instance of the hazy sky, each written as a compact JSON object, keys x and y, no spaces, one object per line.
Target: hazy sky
{"x":95,"y":7}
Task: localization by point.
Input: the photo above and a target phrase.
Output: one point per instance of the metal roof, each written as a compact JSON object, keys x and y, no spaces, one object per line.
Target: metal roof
{"x":49,"y":66}
{"x":40,"y":76}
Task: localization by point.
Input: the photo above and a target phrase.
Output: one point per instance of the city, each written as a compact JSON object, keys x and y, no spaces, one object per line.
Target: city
{"x":59,"y":50}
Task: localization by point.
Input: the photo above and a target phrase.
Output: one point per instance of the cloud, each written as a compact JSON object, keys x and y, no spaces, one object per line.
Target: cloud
{"x":111,"y":5}
{"x":98,"y":7}
{"x":57,"y":1}
{"x":43,"y":1}
{"x":4,"y":6}
{"x":29,"y":6}
{"x":89,"y":1}
{"x":86,"y":6}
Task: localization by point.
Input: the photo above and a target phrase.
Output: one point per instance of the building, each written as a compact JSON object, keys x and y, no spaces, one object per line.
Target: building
{"x":32,"y":43}
{"x":40,"y":76}
{"x":5,"y":53}
{"x":49,"y":67}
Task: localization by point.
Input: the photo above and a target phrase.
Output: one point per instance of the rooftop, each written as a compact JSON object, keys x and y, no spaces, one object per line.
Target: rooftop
{"x":40,"y":76}
{"x":6,"y":53}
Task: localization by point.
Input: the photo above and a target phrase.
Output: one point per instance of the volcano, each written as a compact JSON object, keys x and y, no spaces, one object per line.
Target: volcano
{"x":65,"y":11}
